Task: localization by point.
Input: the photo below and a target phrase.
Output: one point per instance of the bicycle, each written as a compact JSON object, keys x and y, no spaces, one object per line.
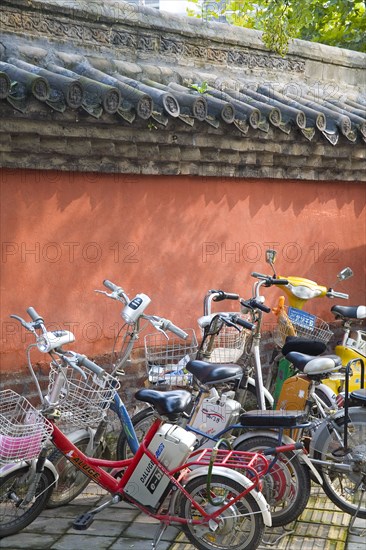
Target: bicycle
{"x":102,"y":440}
{"x":217,"y":506}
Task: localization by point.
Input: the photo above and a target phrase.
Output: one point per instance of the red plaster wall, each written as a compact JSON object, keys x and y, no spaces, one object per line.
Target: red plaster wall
{"x":170,"y":237}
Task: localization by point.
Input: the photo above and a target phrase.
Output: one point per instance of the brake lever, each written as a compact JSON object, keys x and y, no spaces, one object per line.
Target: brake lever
{"x":73,"y":363}
{"x":229,"y":323}
{"x":28,"y":326}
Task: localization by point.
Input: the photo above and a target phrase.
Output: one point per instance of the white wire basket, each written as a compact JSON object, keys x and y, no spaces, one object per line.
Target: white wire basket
{"x":83,"y":401}
{"x":23,"y":429}
{"x":227,"y":346}
{"x":294,"y":322}
{"x":166,"y":359}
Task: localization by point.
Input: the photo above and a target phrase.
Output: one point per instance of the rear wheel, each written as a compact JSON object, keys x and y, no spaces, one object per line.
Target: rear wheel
{"x":286,"y":487}
{"x":13,"y":489}
{"x":346,"y":488}
{"x":240,"y":525}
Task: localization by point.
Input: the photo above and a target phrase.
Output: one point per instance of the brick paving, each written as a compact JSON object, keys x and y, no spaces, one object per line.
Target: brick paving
{"x":122,"y":527}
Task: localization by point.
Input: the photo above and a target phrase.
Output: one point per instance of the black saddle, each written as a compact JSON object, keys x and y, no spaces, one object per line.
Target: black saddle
{"x":273,"y":419}
{"x":359,"y":396}
{"x":167,"y":403}
{"x":302,"y":345}
{"x":214,"y":373}
{"x":314,"y":366}
{"x":348,"y":312}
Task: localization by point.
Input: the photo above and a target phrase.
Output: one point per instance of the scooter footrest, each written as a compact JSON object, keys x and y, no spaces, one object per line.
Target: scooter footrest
{"x":83,"y":522}
{"x":273,"y":419}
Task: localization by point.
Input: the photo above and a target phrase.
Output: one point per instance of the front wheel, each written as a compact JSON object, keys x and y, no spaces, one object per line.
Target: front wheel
{"x":71,"y":481}
{"x":142,"y":421}
{"x":286,"y":486}
{"x":240,"y":526}
{"x":13,"y":489}
{"x":347,"y":489}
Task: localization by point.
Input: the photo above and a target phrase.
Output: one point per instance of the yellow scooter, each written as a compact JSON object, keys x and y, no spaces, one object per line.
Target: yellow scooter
{"x":294,"y":321}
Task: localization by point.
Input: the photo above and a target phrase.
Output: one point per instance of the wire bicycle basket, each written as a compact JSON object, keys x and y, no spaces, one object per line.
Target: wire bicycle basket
{"x":296,"y":322}
{"x":225,"y":344}
{"x":166,"y":359}
{"x":83,"y":400}
{"x":23,"y":429}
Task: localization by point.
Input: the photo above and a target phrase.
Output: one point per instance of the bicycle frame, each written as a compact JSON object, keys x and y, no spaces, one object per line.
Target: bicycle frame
{"x":93,"y":468}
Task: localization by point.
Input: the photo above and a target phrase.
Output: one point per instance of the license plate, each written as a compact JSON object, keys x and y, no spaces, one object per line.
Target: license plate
{"x":301,"y":318}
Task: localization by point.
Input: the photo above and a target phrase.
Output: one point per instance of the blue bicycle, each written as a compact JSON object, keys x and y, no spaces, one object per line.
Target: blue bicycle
{"x":101,"y":441}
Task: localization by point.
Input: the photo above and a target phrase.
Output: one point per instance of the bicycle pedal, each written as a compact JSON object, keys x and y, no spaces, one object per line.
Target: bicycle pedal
{"x":83,"y":522}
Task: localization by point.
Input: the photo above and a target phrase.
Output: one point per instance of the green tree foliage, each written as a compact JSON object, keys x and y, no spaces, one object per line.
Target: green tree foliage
{"x":339,"y":23}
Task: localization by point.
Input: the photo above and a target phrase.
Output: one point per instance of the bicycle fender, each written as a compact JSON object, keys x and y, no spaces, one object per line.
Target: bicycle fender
{"x":9,"y":468}
{"x":78,"y":435}
{"x":328,"y":392}
{"x":266,"y":393}
{"x":356,"y":414}
{"x":303,"y":457}
{"x":240,"y":478}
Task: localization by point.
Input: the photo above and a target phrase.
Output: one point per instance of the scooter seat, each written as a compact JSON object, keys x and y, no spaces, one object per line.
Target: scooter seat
{"x":314,"y":366}
{"x":167,"y":403}
{"x":273,"y":419}
{"x":302,"y":345}
{"x":359,"y":395}
{"x":349,"y":312}
{"x":214,"y":373}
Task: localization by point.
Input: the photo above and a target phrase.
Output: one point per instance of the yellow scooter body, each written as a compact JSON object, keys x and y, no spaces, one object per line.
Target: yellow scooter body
{"x":318,"y":291}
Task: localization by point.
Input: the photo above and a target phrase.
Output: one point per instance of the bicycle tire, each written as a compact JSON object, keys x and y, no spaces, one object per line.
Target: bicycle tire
{"x":345,"y":489}
{"x":14,"y":518}
{"x":71,"y":481}
{"x":241,"y":526}
{"x":286,"y":487}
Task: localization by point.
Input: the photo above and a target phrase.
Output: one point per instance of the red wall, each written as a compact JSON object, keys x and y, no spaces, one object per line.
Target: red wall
{"x":170,"y":237}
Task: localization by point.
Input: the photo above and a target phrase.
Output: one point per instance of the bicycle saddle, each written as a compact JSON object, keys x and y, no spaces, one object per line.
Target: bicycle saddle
{"x":167,"y":403}
{"x":349,"y":312}
{"x":311,"y":365}
{"x":213,"y":373}
{"x":302,"y":345}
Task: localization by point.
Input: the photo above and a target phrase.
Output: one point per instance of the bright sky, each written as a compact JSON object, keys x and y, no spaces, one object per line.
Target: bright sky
{"x":174,"y":6}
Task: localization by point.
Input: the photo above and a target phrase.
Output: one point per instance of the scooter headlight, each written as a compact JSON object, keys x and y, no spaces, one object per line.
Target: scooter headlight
{"x":43,"y":344}
{"x":304,"y":292}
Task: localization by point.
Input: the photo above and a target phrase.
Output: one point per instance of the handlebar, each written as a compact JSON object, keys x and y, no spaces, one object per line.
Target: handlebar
{"x":176,"y":330}
{"x":332,"y":294}
{"x":242,"y":322}
{"x":255,"y":304}
{"x":220,"y":295}
{"x":111,"y":286}
{"x":268,"y":280}
{"x":36,"y":318}
{"x":87,"y":363}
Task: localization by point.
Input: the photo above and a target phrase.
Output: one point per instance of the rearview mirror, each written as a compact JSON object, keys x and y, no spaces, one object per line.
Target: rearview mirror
{"x":271,"y":256}
{"x":346,"y":273}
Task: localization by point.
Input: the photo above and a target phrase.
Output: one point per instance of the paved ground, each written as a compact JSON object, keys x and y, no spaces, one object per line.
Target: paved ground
{"x":121,"y":527}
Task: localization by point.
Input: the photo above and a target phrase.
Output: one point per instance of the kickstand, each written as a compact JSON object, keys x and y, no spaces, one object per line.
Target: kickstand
{"x":358,"y":531}
{"x":286,"y":533}
{"x":158,"y":534}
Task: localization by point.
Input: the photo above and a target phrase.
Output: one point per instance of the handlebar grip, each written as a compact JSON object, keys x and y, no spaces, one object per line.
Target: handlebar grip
{"x":259,"y":275}
{"x":110,"y":285}
{"x":34,"y":315}
{"x":332,"y":294}
{"x":262,"y":307}
{"x":176,"y":330}
{"x":85,"y":362}
{"x":243,"y":323}
{"x":279,"y":282}
{"x":226,"y":296}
